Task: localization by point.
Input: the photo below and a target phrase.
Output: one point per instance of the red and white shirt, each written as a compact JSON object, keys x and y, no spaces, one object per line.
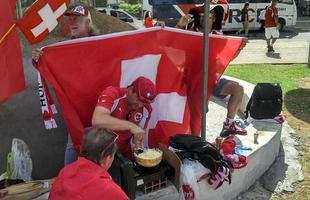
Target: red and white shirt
{"x":115,"y":100}
{"x":270,"y":15}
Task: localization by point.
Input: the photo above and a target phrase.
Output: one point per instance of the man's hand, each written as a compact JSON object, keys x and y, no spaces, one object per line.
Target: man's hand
{"x":137,"y":132}
{"x":136,"y":144}
{"x":36,"y":54}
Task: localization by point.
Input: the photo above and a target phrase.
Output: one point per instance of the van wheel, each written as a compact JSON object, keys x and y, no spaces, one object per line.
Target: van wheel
{"x":281,"y":24}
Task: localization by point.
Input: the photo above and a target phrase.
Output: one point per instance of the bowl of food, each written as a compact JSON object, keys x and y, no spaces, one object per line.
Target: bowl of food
{"x":148,"y":157}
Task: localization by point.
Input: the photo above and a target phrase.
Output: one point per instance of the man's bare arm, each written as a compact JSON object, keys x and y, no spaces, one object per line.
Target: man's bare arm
{"x":102,"y":119}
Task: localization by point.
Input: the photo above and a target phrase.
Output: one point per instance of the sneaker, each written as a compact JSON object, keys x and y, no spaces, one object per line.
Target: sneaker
{"x":269,"y":48}
{"x":226,"y":130}
{"x":236,"y":127}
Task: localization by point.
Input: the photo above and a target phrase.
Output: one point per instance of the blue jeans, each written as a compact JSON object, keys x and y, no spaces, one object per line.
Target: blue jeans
{"x":70,"y":153}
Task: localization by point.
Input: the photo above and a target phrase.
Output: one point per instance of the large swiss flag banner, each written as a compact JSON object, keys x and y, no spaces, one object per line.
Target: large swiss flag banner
{"x":80,"y":69}
{"x":11,"y":67}
{"x":41,"y":18}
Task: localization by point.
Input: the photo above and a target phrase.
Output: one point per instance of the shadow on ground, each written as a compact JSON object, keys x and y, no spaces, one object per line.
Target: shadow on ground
{"x":273,"y":55}
{"x":297,"y":103}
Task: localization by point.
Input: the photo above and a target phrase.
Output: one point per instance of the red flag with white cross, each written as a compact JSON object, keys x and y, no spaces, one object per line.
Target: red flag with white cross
{"x":41,"y":18}
{"x":171,"y":58}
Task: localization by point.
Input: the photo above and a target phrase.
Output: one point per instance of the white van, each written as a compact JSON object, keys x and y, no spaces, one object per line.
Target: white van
{"x":122,"y":15}
{"x":170,"y":11}
{"x":287,"y":12}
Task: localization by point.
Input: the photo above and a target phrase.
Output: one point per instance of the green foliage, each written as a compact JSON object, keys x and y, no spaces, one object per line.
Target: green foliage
{"x":133,"y":9}
{"x":26,"y":3}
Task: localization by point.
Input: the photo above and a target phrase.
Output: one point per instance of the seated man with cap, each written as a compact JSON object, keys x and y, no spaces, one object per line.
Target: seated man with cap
{"x":127,"y":112}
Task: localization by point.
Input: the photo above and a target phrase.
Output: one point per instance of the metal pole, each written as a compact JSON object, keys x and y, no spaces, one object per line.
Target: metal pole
{"x":205,"y":68}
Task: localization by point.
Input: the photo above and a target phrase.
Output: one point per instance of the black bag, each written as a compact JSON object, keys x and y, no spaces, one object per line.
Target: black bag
{"x":197,"y":148}
{"x":265,"y":102}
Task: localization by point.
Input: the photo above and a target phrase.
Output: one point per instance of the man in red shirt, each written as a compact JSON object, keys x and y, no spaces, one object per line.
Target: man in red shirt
{"x":126,"y":111}
{"x":87,"y":178}
{"x":271,"y":25}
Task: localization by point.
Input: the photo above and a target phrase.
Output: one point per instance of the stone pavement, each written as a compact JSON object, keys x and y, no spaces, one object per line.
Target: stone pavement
{"x":286,"y":52}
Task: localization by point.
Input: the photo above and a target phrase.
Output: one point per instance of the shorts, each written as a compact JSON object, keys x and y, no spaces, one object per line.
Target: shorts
{"x":218,"y":88}
{"x":271,"y":32}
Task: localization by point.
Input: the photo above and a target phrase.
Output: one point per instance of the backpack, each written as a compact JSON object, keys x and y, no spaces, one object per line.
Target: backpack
{"x":265,"y":102}
{"x":194,"y":147}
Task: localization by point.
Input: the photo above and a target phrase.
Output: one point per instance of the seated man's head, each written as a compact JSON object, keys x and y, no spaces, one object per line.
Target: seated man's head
{"x":100,"y":147}
{"x":79,"y":21}
{"x":140,"y":93}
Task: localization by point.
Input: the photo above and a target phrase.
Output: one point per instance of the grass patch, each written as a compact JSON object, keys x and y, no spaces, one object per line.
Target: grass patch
{"x":289,"y":76}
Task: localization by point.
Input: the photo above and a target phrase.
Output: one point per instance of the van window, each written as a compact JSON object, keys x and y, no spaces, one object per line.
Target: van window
{"x":286,"y":1}
{"x":174,"y":2}
{"x":236,"y":1}
{"x":113,"y":13}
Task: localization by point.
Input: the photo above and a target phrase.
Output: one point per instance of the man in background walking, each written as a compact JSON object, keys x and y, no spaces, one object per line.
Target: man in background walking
{"x":271,"y":25}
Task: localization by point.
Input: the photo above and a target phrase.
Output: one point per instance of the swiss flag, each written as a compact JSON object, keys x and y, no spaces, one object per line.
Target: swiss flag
{"x":80,"y":69}
{"x":11,"y":67}
{"x":41,"y":18}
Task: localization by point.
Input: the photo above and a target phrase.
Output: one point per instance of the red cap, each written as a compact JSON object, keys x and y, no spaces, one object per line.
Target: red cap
{"x":78,"y":11}
{"x":145,"y":89}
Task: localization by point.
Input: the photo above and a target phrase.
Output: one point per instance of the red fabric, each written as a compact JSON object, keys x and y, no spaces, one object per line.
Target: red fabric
{"x":79,"y":82}
{"x":11,"y":67}
{"x":271,"y":13}
{"x":148,"y":23}
{"x":13,"y":6}
{"x":32,"y":19}
{"x":114,"y":99}
{"x":84,"y":180}
{"x":228,"y":150}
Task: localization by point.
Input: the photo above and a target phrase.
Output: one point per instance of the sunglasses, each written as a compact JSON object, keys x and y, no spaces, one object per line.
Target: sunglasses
{"x":111,"y":143}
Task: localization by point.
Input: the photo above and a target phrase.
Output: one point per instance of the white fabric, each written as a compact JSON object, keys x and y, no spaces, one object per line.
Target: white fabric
{"x":146,"y":66}
{"x":271,"y":32}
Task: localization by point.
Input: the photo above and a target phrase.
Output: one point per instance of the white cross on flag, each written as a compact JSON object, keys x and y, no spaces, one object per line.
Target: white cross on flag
{"x":41,"y":18}
{"x":171,"y":58}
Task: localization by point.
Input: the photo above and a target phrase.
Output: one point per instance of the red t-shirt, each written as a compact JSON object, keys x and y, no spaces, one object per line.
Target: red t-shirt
{"x":148,"y":23}
{"x":115,"y":100}
{"x":85,"y":180}
{"x":270,"y":15}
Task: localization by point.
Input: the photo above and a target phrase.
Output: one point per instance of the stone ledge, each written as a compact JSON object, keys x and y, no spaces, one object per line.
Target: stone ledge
{"x":260,"y":159}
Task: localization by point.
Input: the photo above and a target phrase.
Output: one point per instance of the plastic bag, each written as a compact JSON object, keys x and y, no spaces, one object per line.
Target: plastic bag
{"x":19,"y":161}
{"x":193,"y":180}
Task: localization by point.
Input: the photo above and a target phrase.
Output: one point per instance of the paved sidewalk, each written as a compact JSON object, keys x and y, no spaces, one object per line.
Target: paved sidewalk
{"x":286,"y":52}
